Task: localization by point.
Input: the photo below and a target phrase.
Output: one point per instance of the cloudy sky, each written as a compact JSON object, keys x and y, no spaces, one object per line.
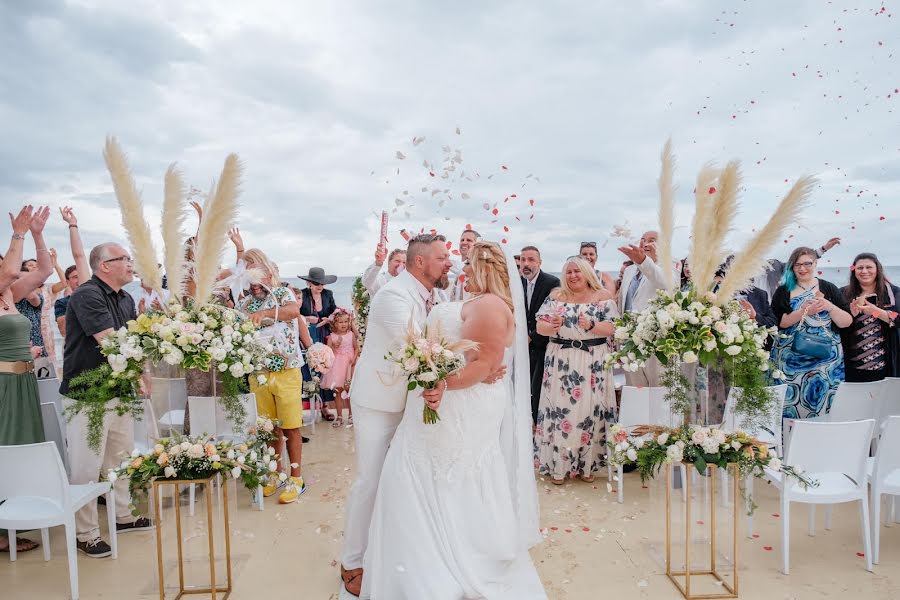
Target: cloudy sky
{"x":575,"y":99}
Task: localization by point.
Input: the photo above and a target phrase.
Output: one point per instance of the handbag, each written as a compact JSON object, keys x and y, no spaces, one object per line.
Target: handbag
{"x":808,"y":344}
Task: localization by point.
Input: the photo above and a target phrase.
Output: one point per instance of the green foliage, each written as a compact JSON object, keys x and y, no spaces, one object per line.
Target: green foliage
{"x":93,"y":393}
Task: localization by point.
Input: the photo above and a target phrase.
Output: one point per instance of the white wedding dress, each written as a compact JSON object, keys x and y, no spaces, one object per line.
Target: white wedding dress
{"x":444,"y":525}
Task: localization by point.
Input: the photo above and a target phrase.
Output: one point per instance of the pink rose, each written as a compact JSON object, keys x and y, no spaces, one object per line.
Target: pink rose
{"x":585,"y":438}
{"x":576,"y":393}
{"x":620,"y":436}
{"x":565,"y":426}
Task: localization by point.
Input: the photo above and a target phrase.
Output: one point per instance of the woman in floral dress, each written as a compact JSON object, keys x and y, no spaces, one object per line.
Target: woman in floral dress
{"x":577,"y":393}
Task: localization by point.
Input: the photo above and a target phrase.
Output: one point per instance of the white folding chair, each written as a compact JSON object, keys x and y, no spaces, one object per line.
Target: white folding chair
{"x":207,"y":416}
{"x":883,"y":473}
{"x":54,"y":431}
{"x":146,"y":430}
{"x":660,"y":410}
{"x":37,"y":495}
{"x":834,"y":454}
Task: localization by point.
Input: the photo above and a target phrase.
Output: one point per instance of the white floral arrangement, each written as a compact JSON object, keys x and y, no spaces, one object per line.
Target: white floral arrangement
{"x":205,"y":337}
{"x":652,"y":447}
{"x":685,"y":327}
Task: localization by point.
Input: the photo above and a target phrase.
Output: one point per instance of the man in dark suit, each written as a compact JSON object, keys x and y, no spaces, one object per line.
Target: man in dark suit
{"x":537,"y":286}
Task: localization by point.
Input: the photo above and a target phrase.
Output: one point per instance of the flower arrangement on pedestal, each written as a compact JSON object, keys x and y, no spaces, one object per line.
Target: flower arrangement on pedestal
{"x":698,"y":325}
{"x":191,"y":330}
{"x":252,"y":461}
{"x":652,"y":447}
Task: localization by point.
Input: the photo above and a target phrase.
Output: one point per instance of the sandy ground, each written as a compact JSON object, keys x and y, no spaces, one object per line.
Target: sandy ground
{"x":593,"y":547}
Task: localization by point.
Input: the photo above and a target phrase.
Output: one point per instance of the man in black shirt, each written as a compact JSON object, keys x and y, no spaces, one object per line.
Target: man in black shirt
{"x":96,"y":309}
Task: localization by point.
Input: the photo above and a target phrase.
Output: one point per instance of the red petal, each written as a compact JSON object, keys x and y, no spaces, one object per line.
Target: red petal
{"x":513,"y":196}
{"x":433,"y":231}
{"x":468,"y":226}
{"x":755,"y":535}
{"x":455,"y":253}
{"x":495,"y":212}
{"x":860,"y":554}
{"x":585,"y":529}
{"x":767,"y":548}
{"x":712,"y":190}
{"x":449,"y":245}
{"x":505,"y":229}
{"x":503,"y":241}
{"x":461,"y":277}
{"x":503,"y":167}
{"x":531,"y":202}
{"x":881,"y":218}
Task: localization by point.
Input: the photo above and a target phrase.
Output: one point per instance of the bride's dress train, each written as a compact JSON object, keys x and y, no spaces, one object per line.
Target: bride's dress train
{"x":444,"y":525}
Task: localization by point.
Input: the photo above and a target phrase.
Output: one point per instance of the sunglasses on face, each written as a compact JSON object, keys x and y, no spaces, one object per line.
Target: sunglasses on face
{"x":589,"y":245}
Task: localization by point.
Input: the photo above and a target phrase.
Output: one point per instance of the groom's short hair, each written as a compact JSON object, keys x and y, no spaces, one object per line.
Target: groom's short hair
{"x":533,"y":248}
{"x":420,"y":245}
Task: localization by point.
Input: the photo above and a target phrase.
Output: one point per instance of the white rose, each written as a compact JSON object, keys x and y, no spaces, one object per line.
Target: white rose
{"x":253,"y":455}
{"x":733,"y":350}
{"x":111,"y":476}
{"x":158,"y":449}
{"x":662,"y":438}
{"x":236,"y":370}
{"x":706,"y":320}
{"x":230,"y":454}
{"x":410,"y":364}
{"x":693,"y":320}
{"x":674,"y":453}
{"x":241,"y":460}
{"x":273,"y":466}
{"x":261,"y":379}
{"x":720,"y":326}
{"x":271,"y":451}
{"x":428,"y":376}
{"x":170,"y":472}
{"x":236,"y":472}
{"x":736,"y":445}
{"x":223,"y":367}
{"x":638,"y":443}
{"x":764,"y":366}
{"x":689,"y":357}
{"x":775,"y":464}
{"x":282,"y":476}
{"x":709,"y":346}
{"x":227,"y":331}
{"x":215,"y":458}
{"x":631,"y":454}
{"x":135,"y":453}
{"x":710,"y":445}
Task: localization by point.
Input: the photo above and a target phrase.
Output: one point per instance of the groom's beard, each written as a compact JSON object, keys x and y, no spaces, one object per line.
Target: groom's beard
{"x":443,"y":282}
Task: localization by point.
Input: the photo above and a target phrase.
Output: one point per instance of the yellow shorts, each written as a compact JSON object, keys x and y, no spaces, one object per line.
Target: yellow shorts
{"x":280,"y":397}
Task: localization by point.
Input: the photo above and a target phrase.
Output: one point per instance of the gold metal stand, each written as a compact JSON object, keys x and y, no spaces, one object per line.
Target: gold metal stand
{"x":211,"y":590}
{"x":676,"y":576}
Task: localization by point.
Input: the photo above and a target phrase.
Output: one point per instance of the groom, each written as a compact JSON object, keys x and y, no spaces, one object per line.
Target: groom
{"x":378,"y":394}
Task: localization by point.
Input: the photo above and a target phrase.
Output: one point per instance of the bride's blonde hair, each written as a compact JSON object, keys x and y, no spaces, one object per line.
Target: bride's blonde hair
{"x":489,"y":272}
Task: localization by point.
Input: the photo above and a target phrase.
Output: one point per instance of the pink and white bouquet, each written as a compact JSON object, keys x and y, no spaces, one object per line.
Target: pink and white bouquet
{"x":320,"y":357}
{"x":426,"y":359}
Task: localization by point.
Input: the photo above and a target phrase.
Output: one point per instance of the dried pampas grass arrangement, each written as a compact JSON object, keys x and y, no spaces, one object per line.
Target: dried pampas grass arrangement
{"x":172,"y":232}
{"x":752,"y":259}
{"x":702,"y":262}
{"x":219,"y":214}
{"x":136,"y":228}
{"x":666,"y":213}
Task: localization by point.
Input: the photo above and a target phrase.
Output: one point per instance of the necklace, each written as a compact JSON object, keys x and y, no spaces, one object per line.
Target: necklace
{"x":806,"y":289}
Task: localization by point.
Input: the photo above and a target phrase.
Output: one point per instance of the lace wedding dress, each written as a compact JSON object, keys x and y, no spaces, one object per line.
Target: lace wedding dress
{"x":444,"y":525}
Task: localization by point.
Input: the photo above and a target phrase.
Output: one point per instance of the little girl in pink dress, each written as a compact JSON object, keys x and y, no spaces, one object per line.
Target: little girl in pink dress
{"x":343,"y":342}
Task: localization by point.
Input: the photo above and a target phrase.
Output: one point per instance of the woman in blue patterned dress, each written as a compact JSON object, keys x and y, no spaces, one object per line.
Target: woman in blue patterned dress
{"x":815,"y":307}
{"x":577,"y":395}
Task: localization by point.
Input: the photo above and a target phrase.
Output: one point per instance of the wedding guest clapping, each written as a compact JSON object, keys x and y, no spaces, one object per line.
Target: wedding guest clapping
{"x":809,"y":354}
{"x":577,"y":395}
{"x":872,"y":343}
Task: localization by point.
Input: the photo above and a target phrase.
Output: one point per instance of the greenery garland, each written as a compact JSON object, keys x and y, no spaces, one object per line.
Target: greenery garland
{"x":361,"y":302}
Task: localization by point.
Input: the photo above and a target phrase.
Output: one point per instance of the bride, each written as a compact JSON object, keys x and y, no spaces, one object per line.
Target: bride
{"x":456,"y":510}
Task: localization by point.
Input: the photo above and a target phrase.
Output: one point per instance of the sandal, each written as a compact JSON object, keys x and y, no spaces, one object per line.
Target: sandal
{"x":338,"y":422}
{"x":556,"y":481}
{"x":586,"y":478}
{"x":22,"y":545}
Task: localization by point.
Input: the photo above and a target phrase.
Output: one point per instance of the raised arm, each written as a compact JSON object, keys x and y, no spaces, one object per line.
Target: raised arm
{"x":29,"y":282}
{"x":12,"y":260}
{"x":235,"y":235}
{"x":78,"y":254}
{"x":61,"y":284}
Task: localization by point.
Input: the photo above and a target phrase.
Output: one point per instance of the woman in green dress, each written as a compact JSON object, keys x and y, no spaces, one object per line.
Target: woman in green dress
{"x":20,"y":408}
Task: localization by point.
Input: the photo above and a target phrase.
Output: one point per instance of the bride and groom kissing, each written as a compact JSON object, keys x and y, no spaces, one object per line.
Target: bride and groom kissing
{"x":444,"y":511}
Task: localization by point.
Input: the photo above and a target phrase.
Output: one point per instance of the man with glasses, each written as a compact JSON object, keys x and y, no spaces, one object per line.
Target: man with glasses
{"x":96,"y":309}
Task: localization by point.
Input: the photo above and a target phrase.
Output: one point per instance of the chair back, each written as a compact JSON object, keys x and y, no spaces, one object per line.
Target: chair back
{"x":890,"y":398}
{"x":634,"y":408}
{"x":660,"y":409}
{"x":729,"y":417}
{"x":48,"y":391}
{"x":33,"y":470}
{"x":54,"y":431}
{"x":44,"y":368}
{"x":887,"y":459}
{"x":773,"y":420}
{"x":208,"y":416}
{"x":855,"y":402}
{"x":831,"y":448}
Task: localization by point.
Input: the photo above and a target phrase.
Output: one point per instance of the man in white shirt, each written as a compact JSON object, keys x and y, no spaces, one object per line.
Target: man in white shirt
{"x":373,"y":279}
{"x":457,"y":288}
{"x":640,"y":283}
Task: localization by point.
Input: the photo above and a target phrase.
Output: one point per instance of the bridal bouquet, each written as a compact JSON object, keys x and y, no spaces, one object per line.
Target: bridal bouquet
{"x":427,"y":358}
{"x":320,"y":357}
{"x":650,"y":447}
